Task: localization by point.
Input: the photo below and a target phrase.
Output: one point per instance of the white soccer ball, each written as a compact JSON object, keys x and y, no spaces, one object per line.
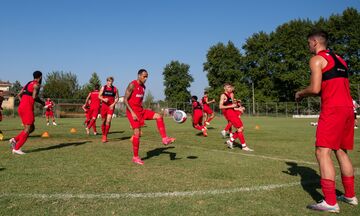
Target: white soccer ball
{"x":179,"y":116}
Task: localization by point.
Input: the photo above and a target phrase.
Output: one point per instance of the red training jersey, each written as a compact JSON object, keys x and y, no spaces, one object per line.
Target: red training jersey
{"x":335,"y":89}
{"x":110,"y":93}
{"x":137,"y":96}
{"x":94,"y":99}
{"x":27,"y":98}
{"x":203,"y":101}
{"x":50,"y":105}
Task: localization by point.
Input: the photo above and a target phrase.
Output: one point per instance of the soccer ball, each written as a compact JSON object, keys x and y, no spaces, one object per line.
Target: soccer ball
{"x":179,"y":116}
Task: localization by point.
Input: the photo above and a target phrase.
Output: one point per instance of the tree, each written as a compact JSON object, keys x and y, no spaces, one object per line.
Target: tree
{"x":15,"y":87}
{"x":59,"y":84}
{"x":224,"y":64}
{"x":90,"y":86}
{"x":177,"y":80}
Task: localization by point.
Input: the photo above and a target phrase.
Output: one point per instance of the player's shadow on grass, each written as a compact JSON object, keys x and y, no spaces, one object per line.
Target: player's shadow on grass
{"x":310,"y":180}
{"x":159,"y":151}
{"x":114,"y":132}
{"x":2,"y":168}
{"x":61,"y":145}
{"x":123,"y":138}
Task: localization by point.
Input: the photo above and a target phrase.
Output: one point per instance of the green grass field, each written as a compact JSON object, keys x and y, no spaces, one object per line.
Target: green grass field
{"x":76,"y":174}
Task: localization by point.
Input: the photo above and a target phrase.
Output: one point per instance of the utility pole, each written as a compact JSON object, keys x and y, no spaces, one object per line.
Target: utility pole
{"x":253,"y":97}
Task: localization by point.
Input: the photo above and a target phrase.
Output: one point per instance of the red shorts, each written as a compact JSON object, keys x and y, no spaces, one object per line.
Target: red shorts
{"x":234,"y":118}
{"x":26,"y":114}
{"x":49,"y":114}
{"x":105,"y":111}
{"x":208,"y":110}
{"x":92,"y":113}
{"x":197,"y":117}
{"x":335,"y":128}
{"x":146,"y":114}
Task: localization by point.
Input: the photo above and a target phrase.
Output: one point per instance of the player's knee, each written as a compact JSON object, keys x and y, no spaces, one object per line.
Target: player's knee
{"x":240,"y":129}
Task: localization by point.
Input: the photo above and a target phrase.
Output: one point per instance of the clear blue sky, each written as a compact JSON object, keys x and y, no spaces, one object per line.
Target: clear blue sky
{"x":115,"y":37}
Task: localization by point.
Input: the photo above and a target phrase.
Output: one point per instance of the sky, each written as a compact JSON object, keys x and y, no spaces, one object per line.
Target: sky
{"x":118,"y":37}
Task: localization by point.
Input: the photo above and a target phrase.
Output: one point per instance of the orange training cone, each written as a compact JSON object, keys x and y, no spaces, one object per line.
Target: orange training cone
{"x":72,"y":130}
{"x":257,"y":127}
{"x":45,"y":135}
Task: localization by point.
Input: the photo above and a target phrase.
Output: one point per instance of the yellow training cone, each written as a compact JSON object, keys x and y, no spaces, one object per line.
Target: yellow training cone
{"x":45,"y":135}
{"x":1,"y":135}
{"x":257,"y":127}
{"x":72,"y":130}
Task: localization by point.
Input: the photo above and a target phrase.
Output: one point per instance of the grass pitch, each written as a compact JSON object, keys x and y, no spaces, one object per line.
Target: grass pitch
{"x":76,"y":174}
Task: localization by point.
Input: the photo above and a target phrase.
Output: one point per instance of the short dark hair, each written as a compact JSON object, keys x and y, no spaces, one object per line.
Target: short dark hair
{"x":319,"y":33}
{"x":97,"y":86}
{"x":194,"y":97}
{"x":205,"y":92}
{"x":141,"y":71}
{"x":37,"y":74}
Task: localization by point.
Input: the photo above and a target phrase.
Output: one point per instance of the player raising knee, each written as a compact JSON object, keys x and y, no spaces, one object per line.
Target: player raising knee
{"x":136,"y":114}
{"x":197,"y":116}
{"x":209,"y":113}
{"x":109,"y":96}
{"x":228,"y":106}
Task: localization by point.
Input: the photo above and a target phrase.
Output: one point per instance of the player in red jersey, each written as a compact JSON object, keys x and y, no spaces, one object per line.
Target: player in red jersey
{"x":86,"y":108}
{"x":335,"y":131}
{"x":109,"y":96}
{"x":197,"y":116}
{"x":136,"y":114}
{"x":209,"y":113}
{"x":228,"y":105}
{"x":27,"y":96}
{"x":94,"y":109}
{"x":230,"y":99}
{"x":49,"y":113}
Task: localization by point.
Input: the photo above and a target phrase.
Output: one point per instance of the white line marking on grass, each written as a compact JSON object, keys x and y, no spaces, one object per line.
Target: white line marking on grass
{"x":151,"y":195}
{"x":255,"y":155}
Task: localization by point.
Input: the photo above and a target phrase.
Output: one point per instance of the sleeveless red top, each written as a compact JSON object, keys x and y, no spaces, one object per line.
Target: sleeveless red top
{"x":137,"y":96}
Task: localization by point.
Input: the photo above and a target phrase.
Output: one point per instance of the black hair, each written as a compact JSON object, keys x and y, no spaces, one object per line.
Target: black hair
{"x":319,"y":33}
{"x":141,"y":71}
{"x":97,"y":86}
{"x":37,"y":74}
{"x":205,"y":92}
{"x":194,"y":97}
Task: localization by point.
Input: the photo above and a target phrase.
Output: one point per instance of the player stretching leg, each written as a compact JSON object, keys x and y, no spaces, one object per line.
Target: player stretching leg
{"x":27,"y":96}
{"x":109,"y":96}
{"x":136,"y":114}
{"x":210,"y":115}
{"x":227,"y":103}
{"x":94,"y":108}
{"x":49,"y":113}
{"x":335,"y":131}
{"x":197,"y":116}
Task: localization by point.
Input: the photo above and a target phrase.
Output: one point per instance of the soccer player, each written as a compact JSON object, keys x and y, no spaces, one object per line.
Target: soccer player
{"x":197,"y":116}
{"x":94,"y":108}
{"x":86,"y":108}
{"x":109,"y":96}
{"x":209,"y":113}
{"x":49,"y":113}
{"x":27,"y":96}
{"x":228,"y":105}
{"x":136,"y":114}
{"x":335,"y":131}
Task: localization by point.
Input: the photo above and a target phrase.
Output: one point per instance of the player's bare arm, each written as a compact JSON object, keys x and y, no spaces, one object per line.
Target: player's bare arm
{"x":87,"y":99}
{"x":35,"y":95}
{"x":221,"y":106}
{"x":116,"y":99}
{"x":100,"y":95}
{"x":128,"y":93}
{"x":316,"y":65}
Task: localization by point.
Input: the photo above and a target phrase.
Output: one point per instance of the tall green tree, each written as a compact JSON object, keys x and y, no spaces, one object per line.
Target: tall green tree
{"x":16,"y":87}
{"x":224,"y":65}
{"x":59,"y":84}
{"x":90,"y":86}
{"x":149,"y":99}
{"x":177,"y":80}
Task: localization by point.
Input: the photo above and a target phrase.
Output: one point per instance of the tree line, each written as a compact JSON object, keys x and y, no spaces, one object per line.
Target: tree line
{"x":274,"y":64}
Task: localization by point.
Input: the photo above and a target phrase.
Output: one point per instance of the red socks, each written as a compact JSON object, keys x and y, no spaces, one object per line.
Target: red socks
{"x":241,"y":137}
{"x":136,"y":143}
{"x":161,"y":127}
{"x":228,"y":126}
{"x":107,"y":128}
{"x":328,"y":189}
{"x":198,"y":127}
{"x":348,"y":183}
{"x":22,"y":139}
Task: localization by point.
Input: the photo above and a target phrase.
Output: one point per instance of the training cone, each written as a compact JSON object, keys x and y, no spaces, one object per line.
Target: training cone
{"x":72,"y":130}
{"x":257,"y":127}
{"x":45,"y":135}
{"x":1,"y":135}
